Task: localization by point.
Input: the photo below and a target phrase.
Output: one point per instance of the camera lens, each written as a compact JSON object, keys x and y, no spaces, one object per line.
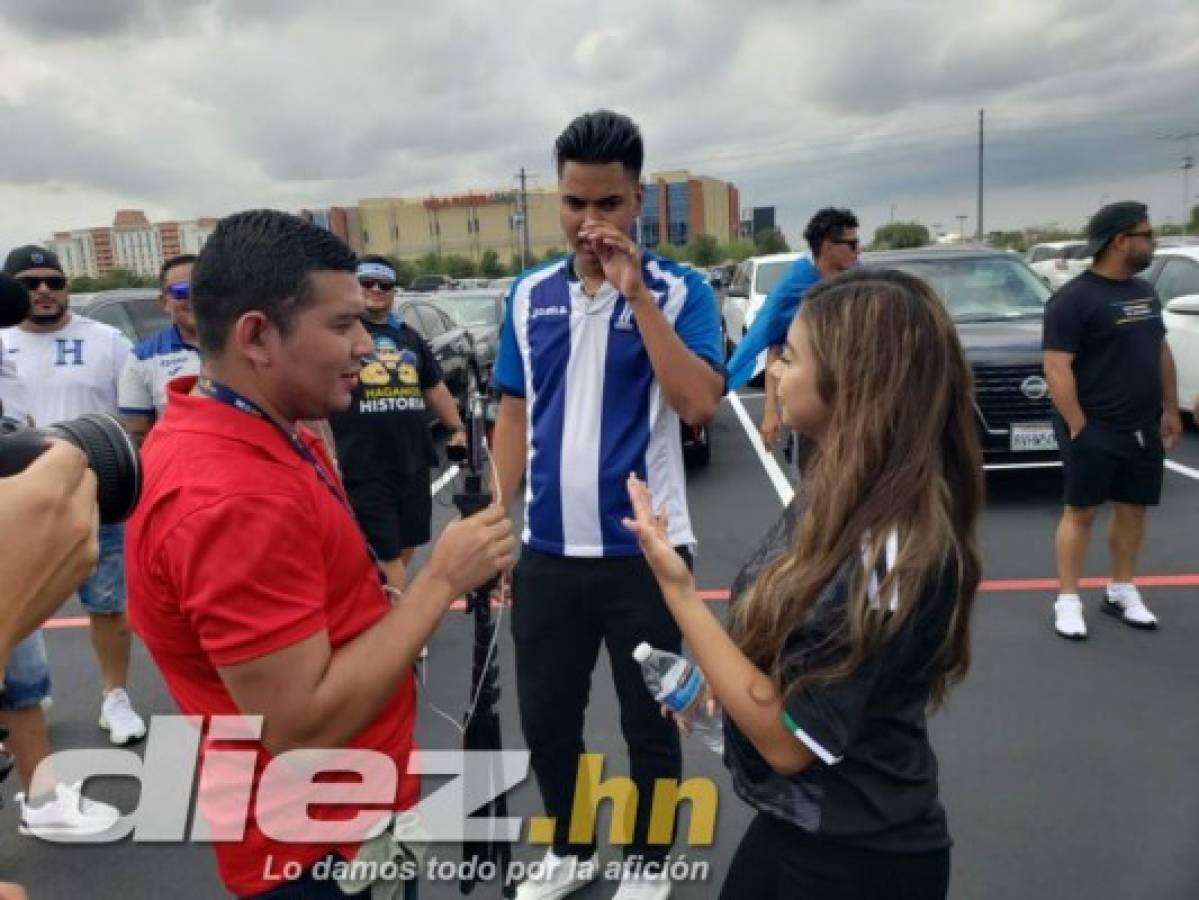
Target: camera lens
{"x":111,"y":455}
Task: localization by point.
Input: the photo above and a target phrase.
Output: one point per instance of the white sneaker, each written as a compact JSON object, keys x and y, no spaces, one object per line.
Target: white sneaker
{"x":556,"y":876}
{"x":119,"y":719}
{"x":1067,"y":618}
{"x":636,"y":884}
{"x":68,"y":814}
{"x":1125,"y":603}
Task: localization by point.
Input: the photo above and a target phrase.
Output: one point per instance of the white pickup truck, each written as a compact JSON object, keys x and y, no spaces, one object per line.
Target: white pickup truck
{"x":1058,"y":261}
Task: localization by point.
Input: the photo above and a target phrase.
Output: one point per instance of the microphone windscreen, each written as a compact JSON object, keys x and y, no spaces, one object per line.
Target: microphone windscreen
{"x":14,"y":302}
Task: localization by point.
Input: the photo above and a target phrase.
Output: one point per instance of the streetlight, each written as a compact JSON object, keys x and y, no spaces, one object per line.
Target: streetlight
{"x":961,"y":228}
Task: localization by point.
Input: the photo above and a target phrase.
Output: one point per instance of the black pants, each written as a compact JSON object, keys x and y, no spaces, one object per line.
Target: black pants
{"x":562,"y":609}
{"x":780,"y":861}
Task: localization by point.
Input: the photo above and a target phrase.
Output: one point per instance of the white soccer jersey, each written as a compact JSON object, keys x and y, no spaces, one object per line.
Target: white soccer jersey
{"x":595,"y":410}
{"x":69,"y":372}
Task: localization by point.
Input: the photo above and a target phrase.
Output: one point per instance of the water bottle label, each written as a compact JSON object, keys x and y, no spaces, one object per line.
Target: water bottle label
{"x":684,"y":695}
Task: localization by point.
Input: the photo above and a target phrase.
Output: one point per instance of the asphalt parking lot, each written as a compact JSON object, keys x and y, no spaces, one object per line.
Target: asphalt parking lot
{"x":1067,"y":768}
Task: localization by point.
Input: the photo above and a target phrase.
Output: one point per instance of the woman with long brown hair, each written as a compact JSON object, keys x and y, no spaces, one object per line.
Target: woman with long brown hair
{"x":853,"y":618}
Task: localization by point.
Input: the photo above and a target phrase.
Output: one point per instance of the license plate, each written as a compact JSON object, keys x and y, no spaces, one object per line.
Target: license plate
{"x":1033,"y":436}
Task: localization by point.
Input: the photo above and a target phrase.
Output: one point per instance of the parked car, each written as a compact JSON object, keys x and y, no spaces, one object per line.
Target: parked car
{"x":481,"y":313}
{"x":1058,"y":261}
{"x":752,"y":280}
{"x":450,"y":344}
{"x":997,"y":303}
{"x":135,"y":312}
{"x":424,"y":284}
{"x":1175,"y":273}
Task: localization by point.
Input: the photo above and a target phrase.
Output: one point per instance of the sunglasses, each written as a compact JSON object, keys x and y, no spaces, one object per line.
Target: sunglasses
{"x":1144,"y":234}
{"x":852,"y":243}
{"x":180,"y":290}
{"x":374,"y":284}
{"x":53,"y":282}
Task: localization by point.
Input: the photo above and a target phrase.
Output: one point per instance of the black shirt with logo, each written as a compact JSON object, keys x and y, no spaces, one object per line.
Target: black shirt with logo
{"x":1115,"y":331}
{"x":874,"y":781}
{"x":383,"y":436}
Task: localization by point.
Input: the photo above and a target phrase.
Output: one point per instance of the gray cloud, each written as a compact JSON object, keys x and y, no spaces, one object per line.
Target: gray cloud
{"x":202,"y":106}
{"x":95,"y":19}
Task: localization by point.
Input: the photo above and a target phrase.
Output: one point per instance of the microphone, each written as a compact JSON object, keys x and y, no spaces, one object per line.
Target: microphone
{"x":14,"y":302}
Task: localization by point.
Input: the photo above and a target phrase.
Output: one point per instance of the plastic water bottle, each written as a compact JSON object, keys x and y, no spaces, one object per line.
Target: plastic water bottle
{"x":678,"y":684}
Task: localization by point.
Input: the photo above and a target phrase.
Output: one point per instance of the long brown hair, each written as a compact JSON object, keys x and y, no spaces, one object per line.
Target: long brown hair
{"x":900,"y":452}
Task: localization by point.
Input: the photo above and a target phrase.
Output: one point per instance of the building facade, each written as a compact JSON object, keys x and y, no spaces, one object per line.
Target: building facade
{"x":467,"y":225}
{"x":132,"y":243}
{"x":678,"y":206}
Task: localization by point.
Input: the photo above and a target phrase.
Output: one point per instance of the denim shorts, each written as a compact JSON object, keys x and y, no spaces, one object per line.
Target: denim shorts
{"x":27,"y":675}
{"x":104,"y":593}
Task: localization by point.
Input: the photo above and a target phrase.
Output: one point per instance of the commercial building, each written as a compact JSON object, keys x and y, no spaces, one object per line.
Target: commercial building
{"x":677,"y":206}
{"x":467,"y":225}
{"x":132,"y":243}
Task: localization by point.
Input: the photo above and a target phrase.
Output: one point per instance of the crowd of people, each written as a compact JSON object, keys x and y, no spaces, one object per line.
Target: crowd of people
{"x":267,"y":568}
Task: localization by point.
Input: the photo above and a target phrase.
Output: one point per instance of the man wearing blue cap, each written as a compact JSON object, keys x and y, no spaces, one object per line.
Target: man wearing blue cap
{"x":833,"y":236}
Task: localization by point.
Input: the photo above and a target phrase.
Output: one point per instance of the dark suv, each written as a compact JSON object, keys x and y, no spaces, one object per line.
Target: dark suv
{"x":997,"y":303}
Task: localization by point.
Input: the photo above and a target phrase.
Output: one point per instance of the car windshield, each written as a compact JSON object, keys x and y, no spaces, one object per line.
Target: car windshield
{"x":769,"y":274}
{"x":471,"y":311}
{"x":993,"y":289}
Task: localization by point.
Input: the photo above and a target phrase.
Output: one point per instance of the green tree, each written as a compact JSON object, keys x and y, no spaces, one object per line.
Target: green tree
{"x":740,"y":249}
{"x":405,"y":271}
{"x":430,"y":264}
{"x":514,"y":266}
{"x":897,"y":235}
{"x":459,"y":266}
{"x":1008,"y":240}
{"x":671,"y":251}
{"x":771,"y":240}
{"x":489,"y":266}
{"x":703,"y":250}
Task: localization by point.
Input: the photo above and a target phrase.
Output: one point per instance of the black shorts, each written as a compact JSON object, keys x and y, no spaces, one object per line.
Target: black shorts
{"x":393,"y":516}
{"x":1105,"y":463}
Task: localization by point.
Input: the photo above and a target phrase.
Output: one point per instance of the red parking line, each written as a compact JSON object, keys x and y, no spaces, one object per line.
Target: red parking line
{"x":997,"y":586}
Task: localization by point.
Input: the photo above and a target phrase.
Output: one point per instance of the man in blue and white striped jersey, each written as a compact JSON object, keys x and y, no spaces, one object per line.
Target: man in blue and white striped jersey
{"x":602,"y":352}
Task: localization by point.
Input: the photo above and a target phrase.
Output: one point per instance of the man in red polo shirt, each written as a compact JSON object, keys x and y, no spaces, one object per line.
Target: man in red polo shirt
{"x":249,"y":580}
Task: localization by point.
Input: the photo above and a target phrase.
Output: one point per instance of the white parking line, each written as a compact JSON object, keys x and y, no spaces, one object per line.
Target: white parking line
{"x":781,"y":485}
{"x":1182,"y":470}
{"x":449,"y":475}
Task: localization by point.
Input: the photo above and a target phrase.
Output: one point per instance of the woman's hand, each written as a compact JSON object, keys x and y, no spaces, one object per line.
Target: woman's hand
{"x":707,"y":702}
{"x":652,"y":534}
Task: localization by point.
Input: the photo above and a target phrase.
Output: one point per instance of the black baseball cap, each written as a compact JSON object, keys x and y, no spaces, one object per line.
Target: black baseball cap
{"x":1111,"y":220}
{"x":31,"y":256}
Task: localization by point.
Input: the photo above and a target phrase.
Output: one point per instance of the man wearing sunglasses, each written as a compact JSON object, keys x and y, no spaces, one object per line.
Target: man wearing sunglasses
{"x":832,"y":234}
{"x":383,"y":443}
{"x":171,"y":353}
{"x":1115,"y":395}
{"x":68,"y":366}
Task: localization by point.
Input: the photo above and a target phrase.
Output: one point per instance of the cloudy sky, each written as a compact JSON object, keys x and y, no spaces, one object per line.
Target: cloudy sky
{"x":201,"y":107}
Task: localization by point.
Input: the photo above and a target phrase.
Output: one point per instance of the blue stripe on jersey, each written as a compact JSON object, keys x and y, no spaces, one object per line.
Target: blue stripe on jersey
{"x":625,"y":426}
{"x":548,"y":330}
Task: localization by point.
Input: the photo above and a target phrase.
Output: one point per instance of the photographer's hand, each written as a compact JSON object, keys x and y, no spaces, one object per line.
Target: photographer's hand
{"x":48,"y":539}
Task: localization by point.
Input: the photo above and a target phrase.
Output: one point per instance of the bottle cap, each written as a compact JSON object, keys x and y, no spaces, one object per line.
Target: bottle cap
{"x":642,"y":651}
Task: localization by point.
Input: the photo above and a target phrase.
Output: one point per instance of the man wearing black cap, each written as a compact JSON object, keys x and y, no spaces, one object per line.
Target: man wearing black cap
{"x":1116,"y":396}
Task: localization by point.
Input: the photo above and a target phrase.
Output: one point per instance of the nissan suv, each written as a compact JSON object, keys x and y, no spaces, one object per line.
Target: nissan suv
{"x":997,"y":304}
